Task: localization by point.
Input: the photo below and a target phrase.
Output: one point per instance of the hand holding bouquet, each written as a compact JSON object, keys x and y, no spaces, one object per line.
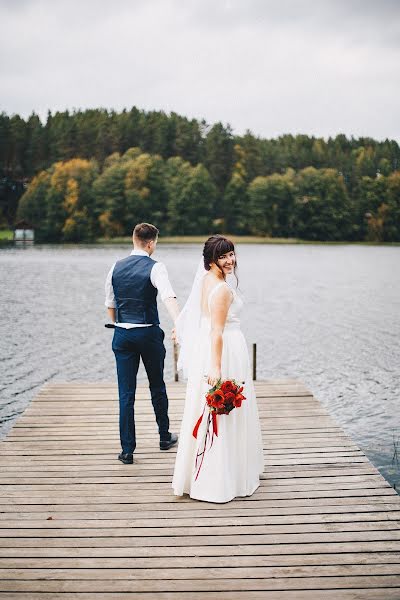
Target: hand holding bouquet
{"x":224,"y":397}
{"x":221,"y":399}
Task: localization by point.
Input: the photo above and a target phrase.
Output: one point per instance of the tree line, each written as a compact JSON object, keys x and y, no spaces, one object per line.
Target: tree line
{"x":95,"y":173}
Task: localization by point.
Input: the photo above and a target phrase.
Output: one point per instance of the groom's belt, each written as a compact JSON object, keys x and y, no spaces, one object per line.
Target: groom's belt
{"x":141,"y":325}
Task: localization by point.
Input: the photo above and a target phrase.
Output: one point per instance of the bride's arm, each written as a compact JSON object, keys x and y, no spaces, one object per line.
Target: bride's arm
{"x":218,"y":312}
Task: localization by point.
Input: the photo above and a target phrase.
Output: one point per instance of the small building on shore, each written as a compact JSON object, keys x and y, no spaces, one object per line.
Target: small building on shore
{"x":24,"y":234}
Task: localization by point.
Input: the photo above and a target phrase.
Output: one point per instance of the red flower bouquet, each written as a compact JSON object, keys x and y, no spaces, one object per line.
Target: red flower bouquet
{"x":220,"y":400}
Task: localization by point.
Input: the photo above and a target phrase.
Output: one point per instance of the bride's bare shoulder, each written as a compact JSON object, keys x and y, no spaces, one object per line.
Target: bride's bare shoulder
{"x":214,"y":290}
{"x":221,"y":292}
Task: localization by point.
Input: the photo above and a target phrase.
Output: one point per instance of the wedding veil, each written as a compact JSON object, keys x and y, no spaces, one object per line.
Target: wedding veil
{"x":188,"y":321}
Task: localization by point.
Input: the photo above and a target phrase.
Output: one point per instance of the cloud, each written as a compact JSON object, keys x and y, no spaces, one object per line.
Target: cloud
{"x":275,"y":67}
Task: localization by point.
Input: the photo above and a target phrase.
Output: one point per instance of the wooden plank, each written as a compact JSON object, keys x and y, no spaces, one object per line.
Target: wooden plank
{"x":345,"y":594}
{"x":187,"y":535}
{"x":198,"y":585}
{"x":139,"y":496}
{"x":70,"y":511}
{"x":158,"y":494}
{"x":350,"y":488}
{"x":203,"y":546}
{"x":94,"y":468}
{"x":246,"y":522}
{"x":36,"y":558}
{"x":192,"y":574}
{"x":324,"y":523}
{"x":268,"y":483}
{"x":45,"y":561}
{"x":110,"y":502}
{"x":341,"y":550}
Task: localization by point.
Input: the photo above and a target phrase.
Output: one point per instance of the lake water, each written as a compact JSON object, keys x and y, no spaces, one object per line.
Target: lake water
{"x":328,"y":315}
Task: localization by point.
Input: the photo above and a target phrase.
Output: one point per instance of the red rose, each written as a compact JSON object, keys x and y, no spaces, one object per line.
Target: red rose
{"x":238,"y":400}
{"x":229,"y":398}
{"x":218,"y":404}
{"x":209,"y":399}
{"x":217,"y":399}
{"x":228,"y":386}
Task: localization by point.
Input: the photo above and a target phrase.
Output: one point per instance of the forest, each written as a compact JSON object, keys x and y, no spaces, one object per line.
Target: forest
{"x":85,"y":175}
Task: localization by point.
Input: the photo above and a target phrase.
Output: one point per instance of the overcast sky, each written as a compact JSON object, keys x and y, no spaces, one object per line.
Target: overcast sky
{"x":318,"y":67}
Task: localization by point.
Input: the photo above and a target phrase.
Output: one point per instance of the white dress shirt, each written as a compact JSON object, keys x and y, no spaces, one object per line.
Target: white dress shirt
{"x":159,"y":279}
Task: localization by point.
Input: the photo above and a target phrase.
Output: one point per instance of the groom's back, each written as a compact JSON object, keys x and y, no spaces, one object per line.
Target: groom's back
{"x":135,"y":295}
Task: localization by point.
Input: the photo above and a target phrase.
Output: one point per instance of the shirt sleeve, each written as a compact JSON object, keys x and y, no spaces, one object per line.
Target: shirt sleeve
{"x":110,"y":298}
{"x":159,"y":278}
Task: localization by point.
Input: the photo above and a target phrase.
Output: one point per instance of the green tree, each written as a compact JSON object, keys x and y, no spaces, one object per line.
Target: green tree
{"x":131,"y":154}
{"x":145,"y":189}
{"x":61,"y":136}
{"x":376,"y":224}
{"x":319,"y":153}
{"x":61,"y":204}
{"x":107,"y":139}
{"x":188,"y":139}
{"x":18,"y":145}
{"x":382,"y":203}
{"x":235,"y":205}
{"x":5,"y":145}
{"x":270,"y":204}
{"x":248,"y":155}
{"x":157,"y":137}
{"x":219,"y":154}
{"x":261,"y":214}
{"x":35,"y":151}
{"x":385,"y":168}
{"x":392,"y":218}
{"x":365,"y":161}
{"x":33,"y":204}
{"x":322,"y":207}
{"x":192,"y":196}
{"x":109,"y":190}
{"x":369,"y":195}
{"x":28,"y":146}
{"x":87,"y":138}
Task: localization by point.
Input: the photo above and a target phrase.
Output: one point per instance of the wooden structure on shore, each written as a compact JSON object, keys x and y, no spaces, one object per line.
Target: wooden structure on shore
{"x":76,"y":523}
{"x":24,"y":234}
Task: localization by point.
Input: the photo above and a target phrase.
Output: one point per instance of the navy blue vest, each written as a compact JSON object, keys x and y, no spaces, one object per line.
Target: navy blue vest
{"x":135,"y":295}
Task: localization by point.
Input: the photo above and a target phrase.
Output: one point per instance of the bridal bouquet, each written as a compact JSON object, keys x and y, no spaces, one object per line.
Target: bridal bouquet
{"x":220,"y":400}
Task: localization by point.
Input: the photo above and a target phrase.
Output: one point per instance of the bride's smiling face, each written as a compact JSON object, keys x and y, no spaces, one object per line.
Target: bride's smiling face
{"x":226,"y":262}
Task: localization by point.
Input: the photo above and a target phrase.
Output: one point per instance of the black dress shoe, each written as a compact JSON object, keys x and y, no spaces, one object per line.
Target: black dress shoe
{"x":126,"y":458}
{"x":167,"y":444}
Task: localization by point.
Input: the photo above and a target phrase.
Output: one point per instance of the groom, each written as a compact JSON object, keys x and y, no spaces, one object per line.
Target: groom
{"x":131,"y":299}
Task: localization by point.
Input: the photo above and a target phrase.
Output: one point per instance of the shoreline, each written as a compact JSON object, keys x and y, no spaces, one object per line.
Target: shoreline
{"x":246,"y":239}
{"x":7,"y":241}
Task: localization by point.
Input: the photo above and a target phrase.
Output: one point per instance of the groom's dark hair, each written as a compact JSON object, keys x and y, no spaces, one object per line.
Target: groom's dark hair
{"x":145,"y":232}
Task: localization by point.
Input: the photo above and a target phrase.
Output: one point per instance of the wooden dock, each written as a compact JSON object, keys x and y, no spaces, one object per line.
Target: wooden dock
{"x":76,"y":523}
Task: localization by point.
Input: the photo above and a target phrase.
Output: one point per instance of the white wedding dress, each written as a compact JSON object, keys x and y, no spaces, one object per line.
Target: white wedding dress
{"x":232,"y":465}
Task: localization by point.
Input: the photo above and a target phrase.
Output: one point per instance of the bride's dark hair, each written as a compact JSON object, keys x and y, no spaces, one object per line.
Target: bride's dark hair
{"x":216,"y":246}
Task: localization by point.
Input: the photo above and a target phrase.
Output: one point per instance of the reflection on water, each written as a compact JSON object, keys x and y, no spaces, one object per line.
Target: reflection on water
{"x":328,"y":315}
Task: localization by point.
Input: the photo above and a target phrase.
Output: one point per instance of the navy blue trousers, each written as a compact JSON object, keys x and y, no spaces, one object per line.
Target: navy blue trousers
{"x":129,"y":346}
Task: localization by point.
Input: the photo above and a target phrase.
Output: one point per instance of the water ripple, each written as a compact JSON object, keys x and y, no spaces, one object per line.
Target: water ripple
{"x":326,"y":315}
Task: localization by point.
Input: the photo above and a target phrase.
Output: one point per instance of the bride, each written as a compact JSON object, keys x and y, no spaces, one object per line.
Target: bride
{"x":212,"y":348}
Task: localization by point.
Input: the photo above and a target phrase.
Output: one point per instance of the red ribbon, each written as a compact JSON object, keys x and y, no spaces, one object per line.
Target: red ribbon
{"x":215,"y":426}
{"x":211,"y":419}
{"x":196,"y":427}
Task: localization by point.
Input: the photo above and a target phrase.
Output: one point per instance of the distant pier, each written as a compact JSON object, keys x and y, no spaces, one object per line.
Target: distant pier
{"x":76,"y":523}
